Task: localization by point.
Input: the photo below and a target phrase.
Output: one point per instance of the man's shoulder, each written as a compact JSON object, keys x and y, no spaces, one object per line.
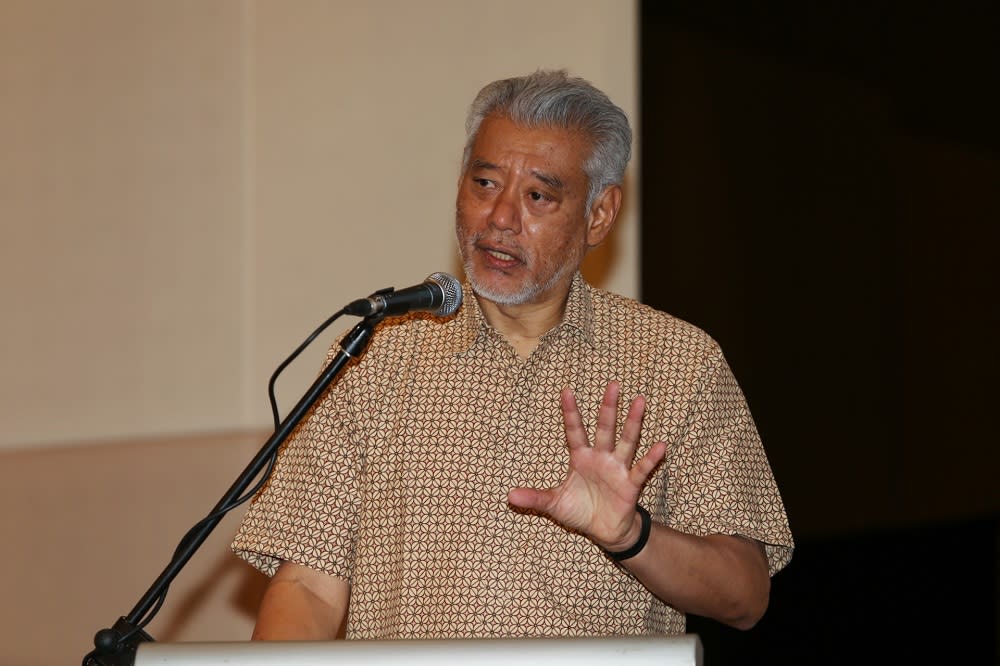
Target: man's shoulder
{"x":396,"y":335}
{"x":628,"y":319}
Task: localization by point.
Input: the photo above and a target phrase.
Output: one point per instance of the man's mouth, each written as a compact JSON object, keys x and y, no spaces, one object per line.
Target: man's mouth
{"x":498,"y":255}
{"x":502,"y":256}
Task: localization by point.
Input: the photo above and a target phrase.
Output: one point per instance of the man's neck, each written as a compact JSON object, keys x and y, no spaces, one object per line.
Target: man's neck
{"x":523,"y":325}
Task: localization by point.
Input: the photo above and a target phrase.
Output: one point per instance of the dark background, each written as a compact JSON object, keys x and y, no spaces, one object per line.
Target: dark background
{"x":821,"y":193}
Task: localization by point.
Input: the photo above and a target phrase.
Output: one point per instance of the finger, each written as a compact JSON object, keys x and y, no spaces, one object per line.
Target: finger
{"x":576,"y":434}
{"x":644,"y":466}
{"x":631,"y":431}
{"x":607,"y":418}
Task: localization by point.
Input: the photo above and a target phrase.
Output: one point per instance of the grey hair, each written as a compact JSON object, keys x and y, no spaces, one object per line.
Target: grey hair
{"x":556,"y":99}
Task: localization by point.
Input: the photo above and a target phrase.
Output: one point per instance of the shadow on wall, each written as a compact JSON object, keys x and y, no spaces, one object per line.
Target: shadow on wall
{"x":245,"y":587}
{"x":97,"y":522}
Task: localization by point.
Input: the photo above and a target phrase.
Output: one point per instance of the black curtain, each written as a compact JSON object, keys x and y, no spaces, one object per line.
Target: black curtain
{"x":821,"y":193}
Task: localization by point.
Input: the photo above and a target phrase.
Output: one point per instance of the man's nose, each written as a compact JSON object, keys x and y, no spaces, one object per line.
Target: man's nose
{"x":506,"y":215}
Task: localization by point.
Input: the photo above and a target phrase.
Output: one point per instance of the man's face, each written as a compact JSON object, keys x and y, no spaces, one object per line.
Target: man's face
{"x":521,"y":215}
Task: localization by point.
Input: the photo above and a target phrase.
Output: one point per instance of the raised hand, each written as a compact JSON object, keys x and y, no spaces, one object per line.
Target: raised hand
{"x":599,"y":494}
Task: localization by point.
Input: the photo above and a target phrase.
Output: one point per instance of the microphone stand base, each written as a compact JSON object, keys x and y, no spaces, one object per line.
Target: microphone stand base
{"x":110,"y":651}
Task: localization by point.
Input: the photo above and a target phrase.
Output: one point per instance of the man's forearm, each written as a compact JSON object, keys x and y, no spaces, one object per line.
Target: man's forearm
{"x":719,"y":576}
{"x":301,"y":604}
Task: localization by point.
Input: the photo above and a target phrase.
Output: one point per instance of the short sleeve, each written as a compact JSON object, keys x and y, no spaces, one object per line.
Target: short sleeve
{"x":719,"y":478}
{"x":307,"y":511}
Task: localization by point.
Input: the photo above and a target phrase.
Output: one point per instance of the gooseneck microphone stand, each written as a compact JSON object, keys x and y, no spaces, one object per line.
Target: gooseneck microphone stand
{"x":117,"y":646}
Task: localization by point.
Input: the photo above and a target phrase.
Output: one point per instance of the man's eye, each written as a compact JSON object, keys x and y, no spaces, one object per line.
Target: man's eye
{"x":483,"y":182}
{"x":538,"y":196}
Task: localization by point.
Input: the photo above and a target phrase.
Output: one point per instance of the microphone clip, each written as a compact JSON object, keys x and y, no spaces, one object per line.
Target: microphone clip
{"x":365,"y":307}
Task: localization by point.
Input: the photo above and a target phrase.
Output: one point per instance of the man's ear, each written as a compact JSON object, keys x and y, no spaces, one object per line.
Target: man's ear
{"x":603,"y":213}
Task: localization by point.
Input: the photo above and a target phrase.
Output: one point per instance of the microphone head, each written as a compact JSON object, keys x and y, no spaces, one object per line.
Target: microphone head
{"x":451,"y":288}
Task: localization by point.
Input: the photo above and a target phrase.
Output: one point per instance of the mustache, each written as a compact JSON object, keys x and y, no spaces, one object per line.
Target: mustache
{"x":493,"y":239}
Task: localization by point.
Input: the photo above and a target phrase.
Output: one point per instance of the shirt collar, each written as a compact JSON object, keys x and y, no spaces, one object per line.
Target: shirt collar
{"x":579,"y":315}
{"x":472,"y":329}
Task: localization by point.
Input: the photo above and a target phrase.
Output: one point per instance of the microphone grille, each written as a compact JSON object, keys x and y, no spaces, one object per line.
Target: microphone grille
{"x":452,"y":290}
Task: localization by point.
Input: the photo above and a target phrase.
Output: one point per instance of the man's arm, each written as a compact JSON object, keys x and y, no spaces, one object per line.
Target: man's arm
{"x":719,"y":576}
{"x":723,"y":577}
{"x":304,"y":604}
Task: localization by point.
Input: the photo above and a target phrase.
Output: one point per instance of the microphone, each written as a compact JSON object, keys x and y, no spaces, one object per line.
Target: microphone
{"x":440,"y":294}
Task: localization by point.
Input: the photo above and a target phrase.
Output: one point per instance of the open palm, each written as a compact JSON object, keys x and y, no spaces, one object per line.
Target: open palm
{"x":599,"y":494}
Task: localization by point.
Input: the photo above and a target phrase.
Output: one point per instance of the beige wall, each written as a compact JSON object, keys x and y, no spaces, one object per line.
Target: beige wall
{"x":121,"y":179}
{"x":187,"y":188}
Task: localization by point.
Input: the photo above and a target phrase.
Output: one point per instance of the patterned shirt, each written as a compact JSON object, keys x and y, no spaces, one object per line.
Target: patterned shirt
{"x":397,"y":480}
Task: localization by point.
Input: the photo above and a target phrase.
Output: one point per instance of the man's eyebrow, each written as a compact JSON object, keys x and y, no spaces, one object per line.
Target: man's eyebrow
{"x":552,"y":181}
{"x":483,"y":164}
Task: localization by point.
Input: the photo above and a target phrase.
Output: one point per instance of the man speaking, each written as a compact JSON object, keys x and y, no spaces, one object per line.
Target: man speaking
{"x":553,"y":459}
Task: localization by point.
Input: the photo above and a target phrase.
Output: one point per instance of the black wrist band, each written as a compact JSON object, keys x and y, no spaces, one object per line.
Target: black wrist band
{"x":647,"y":524}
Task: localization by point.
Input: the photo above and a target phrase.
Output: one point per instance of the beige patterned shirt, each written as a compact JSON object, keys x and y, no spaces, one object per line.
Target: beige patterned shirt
{"x":398,"y":480}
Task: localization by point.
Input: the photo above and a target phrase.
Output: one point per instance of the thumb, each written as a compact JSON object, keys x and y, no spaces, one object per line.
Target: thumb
{"x":530,"y":498}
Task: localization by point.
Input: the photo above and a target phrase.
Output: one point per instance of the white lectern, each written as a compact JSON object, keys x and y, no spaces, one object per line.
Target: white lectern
{"x":618,"y":651}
